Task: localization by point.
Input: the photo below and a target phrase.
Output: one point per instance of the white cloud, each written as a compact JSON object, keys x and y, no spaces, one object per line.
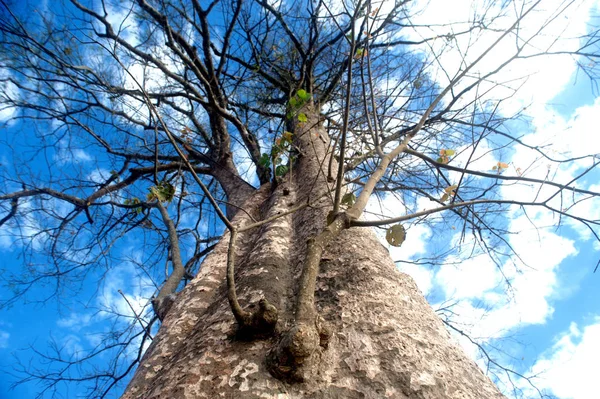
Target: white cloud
{"x":414,"y":245}
{"x":135,"y":297}
{"x":485,"y":306}
{"x":122,"y":19}
{"x":561,"y":138}
{"x":71,"y":155}
{"x":245,"y":164}
{"x":75,"y":321}
{"x":99,"y":175}
{"x":470,"y":278}
{"x":477,"y":283}
{"x":569,"y":369}
{"x":422,"y":275}
{"x":88,"y":329}
{"x":72,"y":344}
{"x":4,"y":336}
{"x":538,"y":79}
{"x":85,"y":327}
{"x":28,"y":231}
{"x":492,"y":302}
{"x":481,"y":158}
{"x":8,"y":92}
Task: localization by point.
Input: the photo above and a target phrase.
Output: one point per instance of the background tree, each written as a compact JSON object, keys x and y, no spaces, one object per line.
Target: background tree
{"x":277,"y":121}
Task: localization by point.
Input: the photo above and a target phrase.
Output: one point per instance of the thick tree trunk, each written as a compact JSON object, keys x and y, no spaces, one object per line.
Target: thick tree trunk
{"x":236,"y":189}
{"x":386,"y":340}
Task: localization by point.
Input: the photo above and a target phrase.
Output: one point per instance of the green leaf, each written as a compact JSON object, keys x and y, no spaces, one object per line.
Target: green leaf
{"x":134,"y":201}
{"x":281,"y":170}
{"x":264,"y":160}
{"x":349,"y":199}
{"x":303,"y":95}
{"x":167,"y":191}
{"x":293,"y":102}
{"x":164,"y":192}
{"x":302,"y":117}
{"x":450,"y":152}
{"x":418,"y":83}
{"x":395,"y":235}
{"x":275,"y":151}
{"x":287,"y":136}
{"x":115,"y":175}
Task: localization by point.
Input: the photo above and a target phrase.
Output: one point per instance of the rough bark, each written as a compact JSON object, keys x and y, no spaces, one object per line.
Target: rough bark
{"x":385,"y":340}
{"x":236,"y":188}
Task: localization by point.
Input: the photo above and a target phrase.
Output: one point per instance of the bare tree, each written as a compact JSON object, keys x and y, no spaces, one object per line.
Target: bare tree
{"x":277,"y":121}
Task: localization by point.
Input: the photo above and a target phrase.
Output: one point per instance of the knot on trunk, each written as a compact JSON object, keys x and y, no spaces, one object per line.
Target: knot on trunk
{"x":287,"y":360}
{"x":259,"y":324}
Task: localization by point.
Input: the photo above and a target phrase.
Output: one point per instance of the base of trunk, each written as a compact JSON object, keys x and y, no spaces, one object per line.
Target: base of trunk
{"x":386,"y":342}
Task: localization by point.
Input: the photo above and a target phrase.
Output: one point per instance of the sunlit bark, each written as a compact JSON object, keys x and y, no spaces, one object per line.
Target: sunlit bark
{"x":384,"y":339}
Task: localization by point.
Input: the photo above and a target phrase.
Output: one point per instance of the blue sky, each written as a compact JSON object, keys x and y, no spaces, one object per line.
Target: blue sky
{"x":547,"y":323}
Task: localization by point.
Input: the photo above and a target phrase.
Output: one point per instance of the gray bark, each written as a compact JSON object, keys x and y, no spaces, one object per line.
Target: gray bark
{"x":385,"y":340}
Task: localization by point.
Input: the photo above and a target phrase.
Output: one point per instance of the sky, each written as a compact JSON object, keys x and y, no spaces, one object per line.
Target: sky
{"x":546,"y":323}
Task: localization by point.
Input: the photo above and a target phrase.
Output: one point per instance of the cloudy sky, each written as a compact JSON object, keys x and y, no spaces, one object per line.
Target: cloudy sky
{"x":545,"y":324}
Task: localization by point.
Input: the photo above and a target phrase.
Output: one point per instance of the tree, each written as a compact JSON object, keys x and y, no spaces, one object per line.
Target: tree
{"x":278,"y":121}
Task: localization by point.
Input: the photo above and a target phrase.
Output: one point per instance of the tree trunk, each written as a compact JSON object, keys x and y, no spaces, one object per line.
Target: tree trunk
{"x":385,"y":341}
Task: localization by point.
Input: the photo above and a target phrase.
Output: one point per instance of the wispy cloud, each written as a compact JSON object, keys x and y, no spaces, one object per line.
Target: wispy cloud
{"x":4,"y":336}
{"x":73,"y":345}
{"x":569,"y":369}
{"x":71,"y":155}
{"x":8,"y":93}
{"x":75,"y":321}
